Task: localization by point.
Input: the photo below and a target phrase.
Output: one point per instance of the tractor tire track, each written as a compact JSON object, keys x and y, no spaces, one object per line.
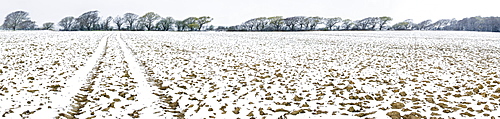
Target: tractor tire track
{"x":65,"y":100}
{"x":144,"y":87}
{"x":116,"y":88}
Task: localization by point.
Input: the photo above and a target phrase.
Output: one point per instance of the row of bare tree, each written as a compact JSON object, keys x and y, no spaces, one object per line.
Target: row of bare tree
{"x":302,"y":23}
{"x":90,"y":21}
{"x":489,"y":24}
{"x":132,"y":22}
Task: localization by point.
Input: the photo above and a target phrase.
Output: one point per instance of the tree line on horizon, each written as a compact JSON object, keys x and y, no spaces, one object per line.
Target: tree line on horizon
{"x":91,"y":21}
{"x":302,"y":23}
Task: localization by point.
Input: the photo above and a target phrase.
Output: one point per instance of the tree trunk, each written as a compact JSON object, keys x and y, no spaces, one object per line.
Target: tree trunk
{"x":382,"y":25}
{"x":199,"y":28}
{"x":131,"y":26}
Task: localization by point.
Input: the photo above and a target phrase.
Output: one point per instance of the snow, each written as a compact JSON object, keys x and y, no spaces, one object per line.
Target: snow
{"x":144,"y":89}
{"x":215,"y":74}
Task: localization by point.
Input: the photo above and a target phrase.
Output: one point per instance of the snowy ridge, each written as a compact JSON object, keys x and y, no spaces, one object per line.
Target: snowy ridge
{"x":116,"y":88}
{"x":79,"y":79}
{"x":63,"y":98}
{"x":145,"y":90}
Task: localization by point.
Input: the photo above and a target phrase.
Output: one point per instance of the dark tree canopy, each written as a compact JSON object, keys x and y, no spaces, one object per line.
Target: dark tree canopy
{"x":119,"y":22}
{"x":383,"y":21}
{"x":330,"y":22}
{"x":191,"y":23}
{"x":88,"y":20}
{"x":17,"y":20}
{"x":149,"y":20}
{"x":203,"y":20}
{"x":27,"y":25}
{"x":276,"y":22}
{"x":67,"y":23}
{"x":105,"y":24}
{"x":165,"y":24}
{"x":48,"y":26}
{"x":130,"y":18}
{"x":181,"y":25}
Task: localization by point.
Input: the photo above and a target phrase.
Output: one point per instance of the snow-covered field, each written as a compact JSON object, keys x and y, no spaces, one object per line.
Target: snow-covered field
{"x":249,"y":75}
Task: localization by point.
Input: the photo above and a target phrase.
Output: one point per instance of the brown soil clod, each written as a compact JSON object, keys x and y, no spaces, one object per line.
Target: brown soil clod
{"x":397,"y":105}
{"x":394,"y":115}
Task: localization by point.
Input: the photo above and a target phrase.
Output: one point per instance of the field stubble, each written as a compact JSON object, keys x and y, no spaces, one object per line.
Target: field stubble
{"x":254,"y":75}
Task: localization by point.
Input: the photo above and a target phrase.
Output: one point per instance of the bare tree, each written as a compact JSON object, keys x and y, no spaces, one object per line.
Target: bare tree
{"x":67,"y":23}
{"x":89,"y":19}
{"x":424,"y":25}
{"x":410,"y":25}
{"x":347,"y":23}
{"x":405,"y":25}
{"x":149,"y":19}
{"x":440,"y":23}
{"x":276,"y":22}
{"x":257,"y":23}
{"x":181,"y":25}
{"x":301,"y":21}
{"x":400,"y":26}
{"x":130,"y":18}
{"x":250,"y":24}
{"x":453,"y":24}
{"x":362,"y":24}
{"x":472,"y":23}
{"x":105,"y":24}
{"x":203,"y":20}
{"x":368,"y":23}
{"x":305,"y":22}
{"x":383,"y":21}
{"x":14,"y":19}
{"x":48,"y":26}
{"x":165,"y":24}
{"x":291,"y":22}
{"x":261,"y":23}
{"x":373,"y":22}
{"x":314,"y":21}
{"x":27,"y":25}
{"x":119,"y":21}
{"x":191,"y":23}
{"x":330,"y":22}
{"x":140,"y":25}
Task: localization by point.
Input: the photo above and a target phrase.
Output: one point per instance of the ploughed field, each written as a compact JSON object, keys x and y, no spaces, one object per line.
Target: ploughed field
{"x":249,"y":74}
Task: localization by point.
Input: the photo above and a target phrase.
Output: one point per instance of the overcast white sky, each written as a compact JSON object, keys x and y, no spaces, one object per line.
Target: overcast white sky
{"x":234,"y":12}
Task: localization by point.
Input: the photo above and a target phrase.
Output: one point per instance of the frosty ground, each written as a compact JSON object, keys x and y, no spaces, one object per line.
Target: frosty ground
{"x":390,"y":74}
